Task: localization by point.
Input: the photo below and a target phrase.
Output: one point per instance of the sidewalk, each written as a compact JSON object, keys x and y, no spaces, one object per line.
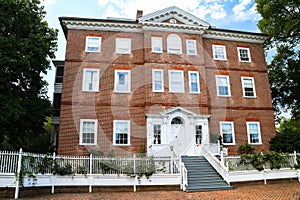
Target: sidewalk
{"x":284,"y":190}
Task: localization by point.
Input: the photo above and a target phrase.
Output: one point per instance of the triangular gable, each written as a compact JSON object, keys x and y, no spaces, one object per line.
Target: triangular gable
{"x":168,"y":15}
{"x":178,"y":109}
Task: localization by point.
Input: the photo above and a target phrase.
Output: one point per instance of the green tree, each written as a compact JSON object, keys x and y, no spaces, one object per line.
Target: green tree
{"x":288,"y":137}
{"x":281,"y":21}
{"x":26,"y":43}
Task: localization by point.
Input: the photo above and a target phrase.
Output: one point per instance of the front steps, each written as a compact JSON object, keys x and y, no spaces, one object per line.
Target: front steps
{"x":201,"y":176}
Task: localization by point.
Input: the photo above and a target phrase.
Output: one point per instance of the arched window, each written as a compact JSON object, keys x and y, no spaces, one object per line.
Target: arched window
{"x":176,"y":120}
{"x":174,"y":45}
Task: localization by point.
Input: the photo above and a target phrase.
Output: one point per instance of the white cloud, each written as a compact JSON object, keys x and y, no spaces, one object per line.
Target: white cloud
{"x":47,"y":2}
{"x":217,"y":12}
{"x":242,"y":12}
{"x":102,"y":2}
{"x":200,"y":8}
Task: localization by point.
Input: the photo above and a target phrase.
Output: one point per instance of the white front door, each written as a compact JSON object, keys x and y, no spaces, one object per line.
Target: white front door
{"x":179,"y":136}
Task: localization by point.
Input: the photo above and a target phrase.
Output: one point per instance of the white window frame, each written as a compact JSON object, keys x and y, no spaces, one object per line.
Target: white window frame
{"x":232,"y":132}
{"x":94,"y":82}
{"x":160,"y":125}
{"x":82,"y":121}
{"x":123,"y":46}
{"x":93,"y":46}
{"x":156,"y":45}
{"x":215,"y":52}
{"x":259,"y":133}
{"x":239,"y":54}
{"x":218,"y":91}
{"x":118,"y":87}
{"x":174,"y":44}
{"x":115,"y":132}
{"x":171,"y":80}
{"x":253,"y":87}
{"x":191,"y":47}
{"x":190,"y":81}
{"x":154,"y":81}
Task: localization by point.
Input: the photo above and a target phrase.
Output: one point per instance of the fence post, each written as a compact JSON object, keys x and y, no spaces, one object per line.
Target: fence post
{"x":91,"y":170}
{"x":53,"y":176}
{"x":295,"y":158}
{"x":18,"y":174}
{"x":134,"y":172}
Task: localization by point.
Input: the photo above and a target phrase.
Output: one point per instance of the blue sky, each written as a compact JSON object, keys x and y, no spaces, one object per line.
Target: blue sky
{"x":227,"y":14}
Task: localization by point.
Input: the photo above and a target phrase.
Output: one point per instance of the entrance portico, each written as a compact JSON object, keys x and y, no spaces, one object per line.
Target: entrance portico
{"x":178,"y":130}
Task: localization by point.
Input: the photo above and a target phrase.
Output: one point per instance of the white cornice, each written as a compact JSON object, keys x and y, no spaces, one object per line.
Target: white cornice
{"x":103,"y":26}
{"x":167,"y":27}
{"x":163,"y":27}
{"x":235,"y":36}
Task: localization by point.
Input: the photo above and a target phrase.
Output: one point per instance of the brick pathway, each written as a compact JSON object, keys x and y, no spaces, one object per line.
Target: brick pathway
{"x":273,"y":191}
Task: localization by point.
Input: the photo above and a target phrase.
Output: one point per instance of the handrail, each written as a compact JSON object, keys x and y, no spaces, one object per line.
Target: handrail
{"x":221,"y":169}
{"x":184,"y":172}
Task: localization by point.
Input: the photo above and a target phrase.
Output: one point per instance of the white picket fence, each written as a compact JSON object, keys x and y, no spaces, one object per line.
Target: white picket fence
{"x":85,"y":170}
{"x":122,"y":171}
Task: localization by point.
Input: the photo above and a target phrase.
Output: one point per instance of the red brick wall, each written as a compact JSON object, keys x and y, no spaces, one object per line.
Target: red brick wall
{"x":107,"y":106}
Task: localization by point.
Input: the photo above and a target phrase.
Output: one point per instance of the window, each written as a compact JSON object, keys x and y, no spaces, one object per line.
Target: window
{"x":157,"y":134}
{"x":191,"y":47}
{"x":176,"y":120}
{"x":223,"y":86}
{"x":121,"y":132}
{"x":244,"y":54}
{"x":123,"y":45}
{"x":176,"y":83}
{"x":253,"y":129}
{"x":92,"y":44}
{"x":248,"y":87}
{"x":219,"y":52}
{"x":122,"y":81}
{"x":194,"y":82}
{"x":88,"y":132}
{"x":156,"y":43}
{"x":157,"y":80}
{"x":227,"y":132}
{"x":198,"y":134}
{"x":90,"y":82}
{"x":174,"y":45}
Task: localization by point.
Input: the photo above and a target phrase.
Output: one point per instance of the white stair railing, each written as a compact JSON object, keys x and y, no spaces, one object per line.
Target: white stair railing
{"x":184,"y":179}
{"x":215,"y":163}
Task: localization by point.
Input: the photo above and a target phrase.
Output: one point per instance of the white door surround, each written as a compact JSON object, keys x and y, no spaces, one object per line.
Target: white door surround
{"x":178,"y":131}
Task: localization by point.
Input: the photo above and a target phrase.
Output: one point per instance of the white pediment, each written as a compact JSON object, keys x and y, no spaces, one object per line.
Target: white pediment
{"x":178,"y":109}
{"x":173,"y":15}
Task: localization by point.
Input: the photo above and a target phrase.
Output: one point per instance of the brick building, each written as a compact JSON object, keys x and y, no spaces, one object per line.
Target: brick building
{"x":166,"y":80}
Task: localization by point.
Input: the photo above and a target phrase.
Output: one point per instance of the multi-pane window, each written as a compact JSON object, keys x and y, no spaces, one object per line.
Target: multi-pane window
{"x":174,"y":45}
{"x":253,"y":129}
{"x":194,"y":82}
{"x":90,"y":81}
{"x":157,"y":80}
{"x":191,"y":47}
{"x":156,"y":134}
{"x":248,"y":87}
{"x":123,"y":45}
{"x":88,"y":132}
{"x":223,"y":85}
{"x":244,"y":54}
{"x":198,"y":134}
{"x":121,"y":132}
{"x":176,"y":81}
{"x":227,"y":132}
{"x":92,"y":44}
{"x":219,"y":52}
{"x":156,"y":44}
{"x":122,"y":81}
